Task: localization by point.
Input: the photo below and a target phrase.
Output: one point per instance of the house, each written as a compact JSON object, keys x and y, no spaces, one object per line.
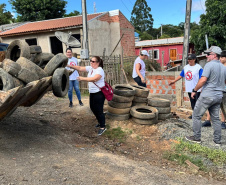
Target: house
{"x":104,"y":32}
{"x":163,"y":50}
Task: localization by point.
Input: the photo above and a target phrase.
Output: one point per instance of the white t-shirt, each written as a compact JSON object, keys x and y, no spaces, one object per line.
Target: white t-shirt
{"x":142,"y":68}
{"x":72,"y":62}
{"x":91,"y":73}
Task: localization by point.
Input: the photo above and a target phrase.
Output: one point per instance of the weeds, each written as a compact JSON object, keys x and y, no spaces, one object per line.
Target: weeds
{"x":116,"y":134}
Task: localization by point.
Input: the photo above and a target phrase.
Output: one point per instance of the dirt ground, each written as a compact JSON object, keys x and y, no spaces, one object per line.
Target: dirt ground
{"x":50,"y":143}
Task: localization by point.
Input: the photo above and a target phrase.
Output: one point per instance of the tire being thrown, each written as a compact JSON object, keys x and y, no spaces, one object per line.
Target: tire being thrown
{"x":144,"y":112}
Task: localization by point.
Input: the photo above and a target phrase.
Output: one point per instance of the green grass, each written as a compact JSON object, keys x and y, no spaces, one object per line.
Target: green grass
{"x":116,"y":134}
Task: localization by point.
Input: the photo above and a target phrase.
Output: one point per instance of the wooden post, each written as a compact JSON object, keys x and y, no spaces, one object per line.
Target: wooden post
{"x":162,"y":60}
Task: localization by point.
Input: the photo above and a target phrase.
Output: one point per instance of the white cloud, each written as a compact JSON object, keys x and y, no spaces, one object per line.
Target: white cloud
{"x":199,"y":5}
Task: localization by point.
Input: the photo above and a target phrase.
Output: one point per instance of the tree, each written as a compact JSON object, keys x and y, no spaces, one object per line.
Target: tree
{"x":72,"y":14}
{"x":141,"y":17}
{"x":213,"y":23}
{"x":35,"y":10}
{"x":5,"y":16}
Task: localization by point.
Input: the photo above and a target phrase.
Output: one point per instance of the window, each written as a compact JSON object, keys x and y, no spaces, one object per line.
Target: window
{"x":154,"y":53}
{"x":31,"y":41}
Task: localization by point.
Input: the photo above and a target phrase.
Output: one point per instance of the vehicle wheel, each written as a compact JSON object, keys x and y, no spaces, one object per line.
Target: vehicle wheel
{"x":119,"y":105}
{"x":60,"y":82}
{"x":165,"y":116}
{"x":118,"y":117}
{"x":118,"y":111}
{"x":123,"y":90}
{"x":35,"y":49}
{"x":141,"y":91}
{"x":144,"y":112}
{"x":146,"y":121}
{"x":140,"y":99}
{"x":59,"y":60}
{"x":16,"y":49}
{"x":25,"y":63}
{"x":163,"y":110}
{"x":122,"y":99}
{"x":158,"y":102}
{"x":27,"y":76}
{"x":11,"y":67}
{"x":6,"y":81}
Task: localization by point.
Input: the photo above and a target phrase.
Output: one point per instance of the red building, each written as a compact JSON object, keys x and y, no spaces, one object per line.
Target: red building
{"x":163,"y":50}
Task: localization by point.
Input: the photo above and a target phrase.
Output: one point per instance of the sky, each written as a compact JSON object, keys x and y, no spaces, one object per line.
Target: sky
{"x":163,"y":11}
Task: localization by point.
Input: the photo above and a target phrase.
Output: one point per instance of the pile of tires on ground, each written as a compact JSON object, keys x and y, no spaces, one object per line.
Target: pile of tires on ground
{"x":24,"y":64}
{"x":140,"y":96}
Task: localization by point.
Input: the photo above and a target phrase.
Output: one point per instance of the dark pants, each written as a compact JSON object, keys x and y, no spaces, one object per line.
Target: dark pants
{"x":193,"y":101}
{"x":139,"y":82}
{"x":96,"y":103}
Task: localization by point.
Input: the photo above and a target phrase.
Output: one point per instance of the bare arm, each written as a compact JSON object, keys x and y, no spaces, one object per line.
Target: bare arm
{"x":138,"y":72}
{"x":78,"y":68}
{"x":178,"y":78}
{"x":90,"y":79}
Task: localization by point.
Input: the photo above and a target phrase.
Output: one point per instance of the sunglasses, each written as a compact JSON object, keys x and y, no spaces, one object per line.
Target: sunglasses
{"x":92,"y":61}
{"x":208,"y":54}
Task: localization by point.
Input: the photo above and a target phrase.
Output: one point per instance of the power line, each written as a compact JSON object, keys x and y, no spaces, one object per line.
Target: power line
{"x":125,"y":6}
{"x":201,"y":5}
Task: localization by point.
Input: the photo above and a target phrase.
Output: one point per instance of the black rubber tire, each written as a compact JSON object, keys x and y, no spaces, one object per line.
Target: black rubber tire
{"x":138,"y":104}
{"x":59,"y":60}
{"x":41,"y":58}
{"x":165,"y":116}
{"x":119,"y":105}
{"x":158,"y":102}
{"x":122,"y":99}
{"x":27,"y":76}
{"x":16,"y":49}
{"x":140,"y":99}
{"x":25,"y":63}
{"x":1,"y":64}
{"x":60,"y":82}
{"x":141,"y":91}
{"x":118,"y":111}
{"x":18,"y":82}
{"x":11,"y":67}
{"x":146,"y":121}
{"x":144,"y":112}
{"x":6,"y":81}
{"x":163,"y":110}
{"x":118,"y":117}
{"x":35,"y":49}
{"x":123,"y":90}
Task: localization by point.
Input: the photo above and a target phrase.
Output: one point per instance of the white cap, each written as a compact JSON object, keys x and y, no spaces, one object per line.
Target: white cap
{"x":144,"y":52}
{"x":214,"y":49}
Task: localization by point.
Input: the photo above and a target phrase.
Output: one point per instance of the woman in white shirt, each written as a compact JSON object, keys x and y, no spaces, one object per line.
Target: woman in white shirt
{"x":95,"y":80}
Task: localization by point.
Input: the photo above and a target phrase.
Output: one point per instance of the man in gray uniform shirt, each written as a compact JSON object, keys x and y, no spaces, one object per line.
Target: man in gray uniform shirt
{"x":213,"y":83}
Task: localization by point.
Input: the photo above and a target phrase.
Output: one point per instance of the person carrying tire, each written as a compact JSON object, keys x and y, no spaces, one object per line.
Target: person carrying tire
{"x":192,"y":72}
{"x":139,"y":69}
{"x":95,"y":80}
{"x":73,"y":82}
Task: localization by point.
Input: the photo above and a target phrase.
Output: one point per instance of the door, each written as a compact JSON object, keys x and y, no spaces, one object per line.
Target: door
{"x":173,"y":54}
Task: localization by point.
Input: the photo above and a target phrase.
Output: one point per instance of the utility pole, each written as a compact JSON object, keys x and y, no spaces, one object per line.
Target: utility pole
{"x":186,"y":32}
{"x":85,"y":45}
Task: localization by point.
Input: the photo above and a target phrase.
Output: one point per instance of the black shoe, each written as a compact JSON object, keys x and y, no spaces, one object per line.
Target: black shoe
{"x":98,"y":125}
{"x":70,"y":104}
{"x":80,"y":103}
{"x":223,"y":126}
{"x":190,"y":117}
{"x":217,"y":143}
{"x":206,"y":124}
{"x":192,"y":139}
{"x":101,"y":131}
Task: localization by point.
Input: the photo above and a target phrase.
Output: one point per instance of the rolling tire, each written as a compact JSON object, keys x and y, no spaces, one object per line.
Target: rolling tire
{"x":141,"y":91}
{"x":27,"y":76}
{"x":6,"y":81}
{"x":119,"y":105}
{"x":43,"y":58}
{"x":35,"y":49}
{"x":118,"y":117}
{"x":118,"y":111}
{"x":123,"y":90}
{"x":165,"y":116}
{"x":146,"y":121}
{"x":16,"y":49}
{"x":18,"y":82}
{"x":158,"y":102}
{"x":60,"y":82}
{"x":59,"y":60}
{"x":11,"y":67}
{"x":122,"y":99}
{"x":144,"y":112}
{"x":138,"y":104}
{"x":140,"y":99}
{"x":163,"y":110}
{"x":25,"y":63}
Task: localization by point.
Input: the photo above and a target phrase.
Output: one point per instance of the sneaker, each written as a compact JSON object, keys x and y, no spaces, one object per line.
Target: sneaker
{"x":207,"y":123}
{"x":70,"y":104}
{"x":80,"y":103}
{"x":223,"y":126}
{"x":98,"y":125}
{"x":217,"y":143}
{"x":101,"y":131}
{"x":192,"y":139}
{"x":190,"y":117}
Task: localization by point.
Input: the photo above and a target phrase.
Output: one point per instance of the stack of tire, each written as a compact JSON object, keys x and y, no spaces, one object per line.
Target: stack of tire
{"x":119,"y":107}
{"x":24,"y":64}
{"x":144,"y":115}
{"x":163,"y":107}
{"x":140,"y":96}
